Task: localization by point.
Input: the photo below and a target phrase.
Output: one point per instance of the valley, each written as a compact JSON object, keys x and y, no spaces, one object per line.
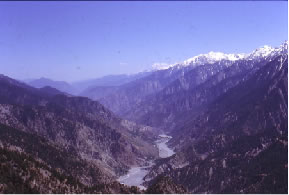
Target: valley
{"x":135,"y":176}
{"x":144,"y":97}
{"x":226,"y":123}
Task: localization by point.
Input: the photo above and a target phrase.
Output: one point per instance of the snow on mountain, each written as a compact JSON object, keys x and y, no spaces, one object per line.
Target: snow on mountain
{"x":267,"y":51}
{"x":262,"y":52}
{"x":213,"y":57}
{"x":163,"y":66}
{"x":160,"y":66}
{"x":283,"y":47}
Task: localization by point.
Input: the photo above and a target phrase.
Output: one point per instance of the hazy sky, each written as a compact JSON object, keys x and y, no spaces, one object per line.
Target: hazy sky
{"x":80,"y":40}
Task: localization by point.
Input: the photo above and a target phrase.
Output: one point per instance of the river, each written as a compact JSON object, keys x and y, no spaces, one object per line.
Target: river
{"x":135,"y":175}
{"x":164,"y":150}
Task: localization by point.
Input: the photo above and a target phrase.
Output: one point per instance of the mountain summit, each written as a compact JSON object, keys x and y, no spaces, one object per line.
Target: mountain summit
{"x":214,"y":57}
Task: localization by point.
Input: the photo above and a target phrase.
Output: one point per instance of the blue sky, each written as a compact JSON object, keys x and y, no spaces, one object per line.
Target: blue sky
{"x":79,"y":40}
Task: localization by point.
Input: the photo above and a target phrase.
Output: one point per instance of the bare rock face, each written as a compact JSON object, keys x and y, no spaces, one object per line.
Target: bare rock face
{"x":128,"y":95}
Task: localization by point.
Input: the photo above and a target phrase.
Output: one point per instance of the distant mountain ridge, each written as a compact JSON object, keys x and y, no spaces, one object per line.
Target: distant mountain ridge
{"x":60,"y":85}
{"x":193,"y":91}
{"x":213,"y":57}
{"x":122,"y":98}
{"x":100,"y":87}
{"x":109,"y":80}
{"x":86,"y":86}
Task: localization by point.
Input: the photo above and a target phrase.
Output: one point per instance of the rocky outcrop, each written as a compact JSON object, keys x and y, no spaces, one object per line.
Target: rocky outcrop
{"x":165,"y":185}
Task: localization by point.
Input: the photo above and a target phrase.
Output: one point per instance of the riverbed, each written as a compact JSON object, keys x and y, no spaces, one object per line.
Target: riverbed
{"x":164,"y":150}
{"x":135,"y":175}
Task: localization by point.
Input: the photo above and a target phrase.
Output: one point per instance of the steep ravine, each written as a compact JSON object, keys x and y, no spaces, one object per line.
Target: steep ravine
{"x":135,"y":175}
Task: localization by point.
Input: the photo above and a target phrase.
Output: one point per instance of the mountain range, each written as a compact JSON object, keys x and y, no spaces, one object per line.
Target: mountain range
{"x":227,"y":115}
{"x":85,"y":86}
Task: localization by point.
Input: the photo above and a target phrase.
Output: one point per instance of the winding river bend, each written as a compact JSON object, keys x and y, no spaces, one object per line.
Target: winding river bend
{"x":136,"y":174}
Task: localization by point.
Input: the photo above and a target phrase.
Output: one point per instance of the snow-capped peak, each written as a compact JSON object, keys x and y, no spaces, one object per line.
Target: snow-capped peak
{"x":202,"y":59}
{"x":284,"y":47}
{"x":262,"y":52}
{"x":164,"y":66}
{"x":213,"y":57}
